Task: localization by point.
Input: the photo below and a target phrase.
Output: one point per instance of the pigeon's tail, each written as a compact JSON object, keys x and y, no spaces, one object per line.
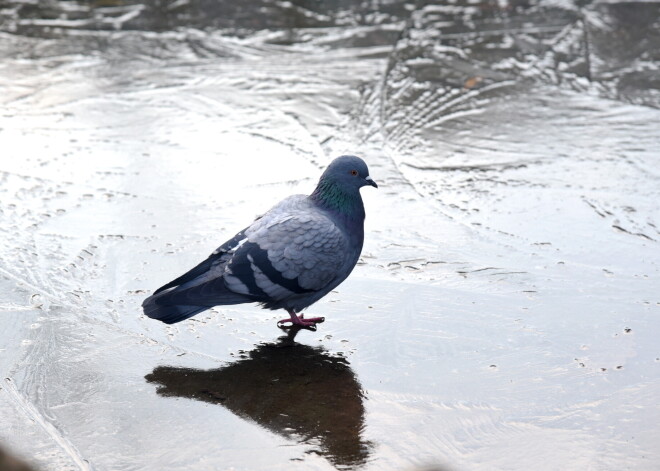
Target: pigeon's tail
{"x":169,"y":314}
{"x":177,"y":304}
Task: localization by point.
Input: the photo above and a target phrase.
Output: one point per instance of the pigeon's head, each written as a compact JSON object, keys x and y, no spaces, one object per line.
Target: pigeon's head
{"x":349,"y":172}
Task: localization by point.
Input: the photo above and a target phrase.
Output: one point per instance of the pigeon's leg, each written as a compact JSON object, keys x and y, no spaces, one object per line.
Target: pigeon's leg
{"x":300,"y":320}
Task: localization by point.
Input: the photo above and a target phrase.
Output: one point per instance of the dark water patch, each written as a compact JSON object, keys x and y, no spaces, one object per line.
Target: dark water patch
{"x":9,"y":462}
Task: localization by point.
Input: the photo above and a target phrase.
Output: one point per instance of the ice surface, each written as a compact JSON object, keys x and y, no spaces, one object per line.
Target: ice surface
{"x":505,"y":313}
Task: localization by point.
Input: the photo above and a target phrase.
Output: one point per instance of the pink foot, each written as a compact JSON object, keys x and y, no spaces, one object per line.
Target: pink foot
{"x":300,"y":321}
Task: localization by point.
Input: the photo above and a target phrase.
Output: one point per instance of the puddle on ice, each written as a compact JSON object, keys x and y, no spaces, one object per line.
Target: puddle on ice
{"x":504,"y":314}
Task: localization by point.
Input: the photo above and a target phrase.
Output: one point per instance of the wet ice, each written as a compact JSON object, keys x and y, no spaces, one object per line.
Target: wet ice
{"x":503,"y":315}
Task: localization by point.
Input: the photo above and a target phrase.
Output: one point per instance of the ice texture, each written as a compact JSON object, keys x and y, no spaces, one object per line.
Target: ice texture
{"x":505,"y":313}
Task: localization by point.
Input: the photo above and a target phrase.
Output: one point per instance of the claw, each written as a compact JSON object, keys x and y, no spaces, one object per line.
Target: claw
{"x":316,"y":320}
{"x":281,"y":324}
{"x":300,"y":321}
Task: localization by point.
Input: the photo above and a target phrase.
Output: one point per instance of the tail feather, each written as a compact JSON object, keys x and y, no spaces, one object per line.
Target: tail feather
{"x":180,"y":303}
{"x":171,"y":314}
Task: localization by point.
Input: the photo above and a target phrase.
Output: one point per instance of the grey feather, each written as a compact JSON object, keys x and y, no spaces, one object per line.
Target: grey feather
{"x":288,"y":258}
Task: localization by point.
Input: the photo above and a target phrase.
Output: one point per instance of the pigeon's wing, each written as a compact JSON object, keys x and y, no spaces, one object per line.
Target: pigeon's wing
{"x":286,"y":255}
{"x":219,"y":256}
{"x":198,"y":289}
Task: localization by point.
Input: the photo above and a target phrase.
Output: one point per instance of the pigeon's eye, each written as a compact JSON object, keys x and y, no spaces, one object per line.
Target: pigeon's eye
{"x":354,"y":172}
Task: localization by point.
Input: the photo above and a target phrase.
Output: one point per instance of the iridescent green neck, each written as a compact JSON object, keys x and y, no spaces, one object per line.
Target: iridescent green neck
{"x":329,"y":195}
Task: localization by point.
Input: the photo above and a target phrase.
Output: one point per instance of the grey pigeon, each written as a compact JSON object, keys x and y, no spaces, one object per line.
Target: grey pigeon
{"x":289,"y":258}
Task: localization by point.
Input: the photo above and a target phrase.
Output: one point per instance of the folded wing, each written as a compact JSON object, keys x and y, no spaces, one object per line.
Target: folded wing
{"x":281,"y":256}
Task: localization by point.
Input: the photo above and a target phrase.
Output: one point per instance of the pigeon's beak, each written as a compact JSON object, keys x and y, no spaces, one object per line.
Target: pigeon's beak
{"x":370,"y":181}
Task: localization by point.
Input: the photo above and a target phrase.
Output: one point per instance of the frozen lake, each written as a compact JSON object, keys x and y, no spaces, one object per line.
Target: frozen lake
{"x":505,"y":314}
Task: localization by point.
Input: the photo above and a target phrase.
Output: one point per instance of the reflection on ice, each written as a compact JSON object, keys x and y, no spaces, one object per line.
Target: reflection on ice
{"x":300,"y":392}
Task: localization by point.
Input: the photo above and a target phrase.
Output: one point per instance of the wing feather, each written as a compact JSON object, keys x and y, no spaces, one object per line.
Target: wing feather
{"x":313,"y":257}
{"x":292,"y":255}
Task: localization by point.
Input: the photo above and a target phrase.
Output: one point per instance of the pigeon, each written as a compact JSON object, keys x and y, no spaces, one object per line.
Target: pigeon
{"x":288,"y":258}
